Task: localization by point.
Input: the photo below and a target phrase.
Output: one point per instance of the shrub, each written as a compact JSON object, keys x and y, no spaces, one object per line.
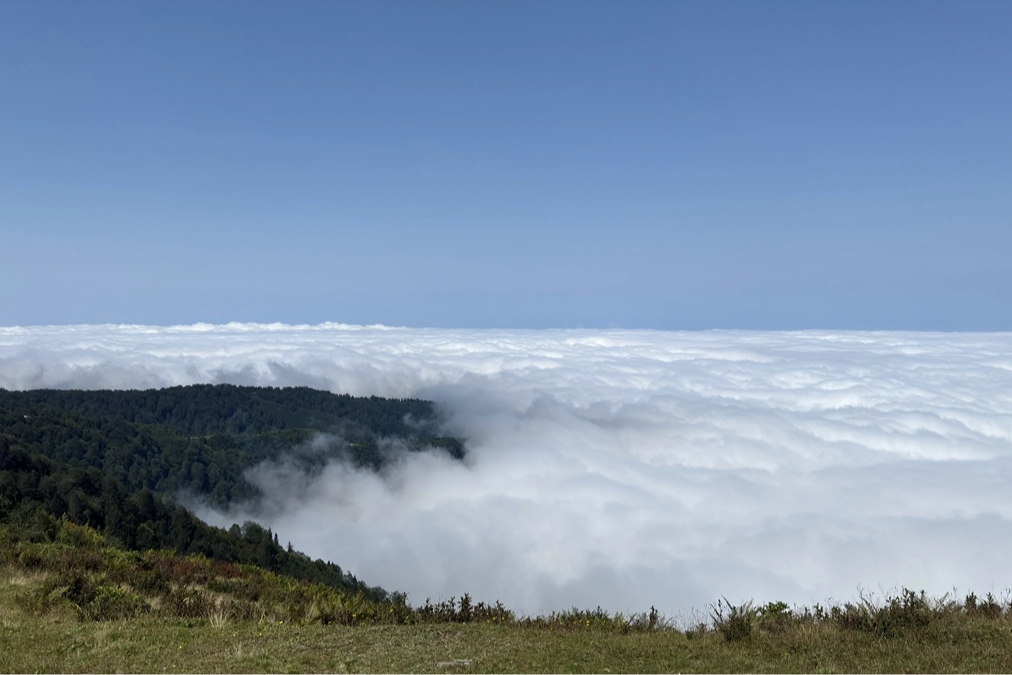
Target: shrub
{"x":189,"y":602}
{"x":734,"y":623}
{"x":908,"y":610}
{"x":80,"y":536}
{"x":80,"y":590}
{"x":989,"y":607}
{"x":110,"y":603}
{"x":775,"y":616}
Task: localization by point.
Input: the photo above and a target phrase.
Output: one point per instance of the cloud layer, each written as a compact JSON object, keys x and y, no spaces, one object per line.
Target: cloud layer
{"x":621,"y":468}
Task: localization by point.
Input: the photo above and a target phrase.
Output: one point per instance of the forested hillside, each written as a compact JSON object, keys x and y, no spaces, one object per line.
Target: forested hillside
{"x":114,"y":460}
{"x":200,"y":439}
{"x":204,"y":409}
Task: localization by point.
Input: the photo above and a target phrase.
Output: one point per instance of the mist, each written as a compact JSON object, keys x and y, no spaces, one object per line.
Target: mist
{"x":618,"y":468}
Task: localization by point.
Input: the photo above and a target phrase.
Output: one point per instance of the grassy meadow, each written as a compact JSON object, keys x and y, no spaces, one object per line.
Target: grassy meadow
{"x":80,"y":605}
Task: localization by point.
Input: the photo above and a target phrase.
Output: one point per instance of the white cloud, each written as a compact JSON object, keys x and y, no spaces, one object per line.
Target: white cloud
{"x":622,"y":468}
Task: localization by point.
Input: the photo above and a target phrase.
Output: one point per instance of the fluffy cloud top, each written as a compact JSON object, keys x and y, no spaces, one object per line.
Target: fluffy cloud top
{"x":621,"y":468}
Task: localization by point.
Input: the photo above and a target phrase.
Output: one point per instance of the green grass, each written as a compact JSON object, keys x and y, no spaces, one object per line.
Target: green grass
{"x":60,"y":639}
{"x":160,"y":645}
{"x":77,"y":604}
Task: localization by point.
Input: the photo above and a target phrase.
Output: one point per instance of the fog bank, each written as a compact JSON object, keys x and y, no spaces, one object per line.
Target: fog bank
{"x":620,"y":468}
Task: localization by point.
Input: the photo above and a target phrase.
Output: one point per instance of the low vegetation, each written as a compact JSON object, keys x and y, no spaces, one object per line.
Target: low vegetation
{"x":77,"y":603}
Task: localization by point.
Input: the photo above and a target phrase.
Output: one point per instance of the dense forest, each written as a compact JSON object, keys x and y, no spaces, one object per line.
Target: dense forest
{"x":204,"y":409}
{"x":114,"y":461}
{"x":200,"y":439}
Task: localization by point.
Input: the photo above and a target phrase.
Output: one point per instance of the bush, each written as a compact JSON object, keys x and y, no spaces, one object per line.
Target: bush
{"x":80,"y":536}
{"x":190,"y":602}
{"x":988,"y":608}
{"x":775,"y":616}
{"x":734,"y":623}
{"x":110,"y":603}
{"x":900,"y":612}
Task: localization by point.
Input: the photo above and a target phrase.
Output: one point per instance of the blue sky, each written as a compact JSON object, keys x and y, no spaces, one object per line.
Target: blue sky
{"x":679,"y":165}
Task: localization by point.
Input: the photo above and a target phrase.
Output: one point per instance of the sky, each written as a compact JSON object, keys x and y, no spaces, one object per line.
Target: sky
{"x":507,"y":165}
{"x":619,"y":468}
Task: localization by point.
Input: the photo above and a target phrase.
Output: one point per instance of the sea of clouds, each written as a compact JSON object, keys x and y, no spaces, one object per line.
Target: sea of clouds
{"x":620,"y":468}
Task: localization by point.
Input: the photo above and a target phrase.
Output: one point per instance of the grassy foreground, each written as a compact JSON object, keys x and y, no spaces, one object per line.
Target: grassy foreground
{"x":178,"y":646}
{"x":72,"y":602}
{"x":61,"y":640}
